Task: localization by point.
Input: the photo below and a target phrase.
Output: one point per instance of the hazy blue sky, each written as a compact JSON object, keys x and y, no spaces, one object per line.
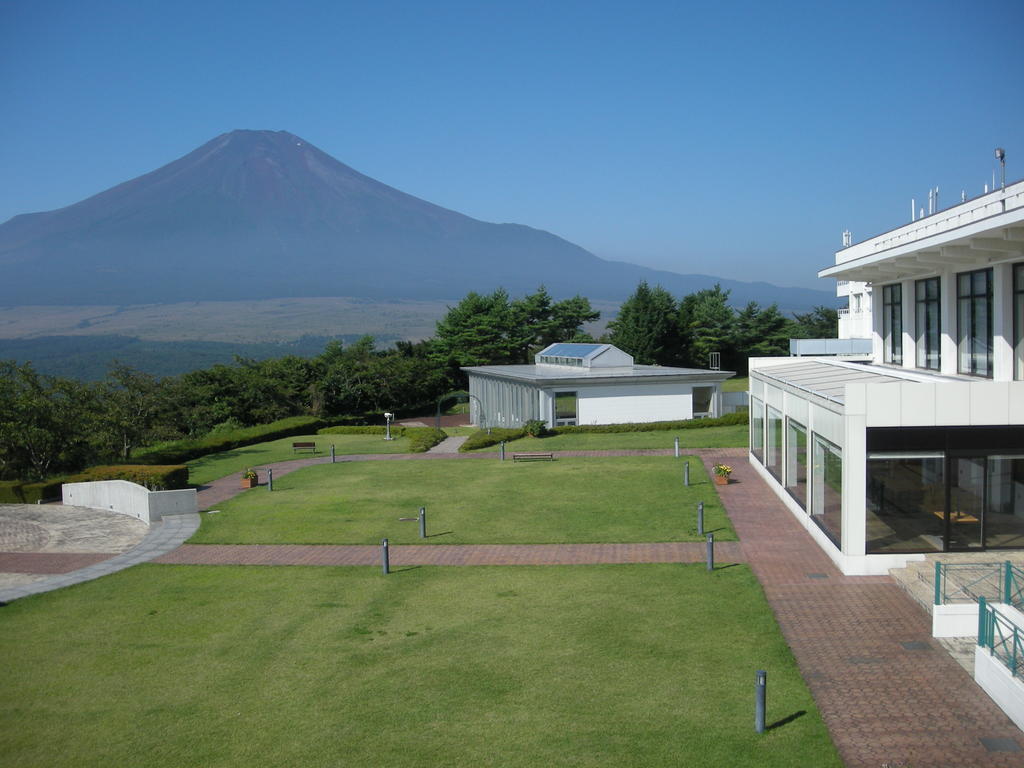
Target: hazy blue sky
{"x":735,"y":139}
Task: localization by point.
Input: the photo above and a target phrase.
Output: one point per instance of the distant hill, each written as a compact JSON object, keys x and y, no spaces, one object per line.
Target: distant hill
{"x":265,"y":214}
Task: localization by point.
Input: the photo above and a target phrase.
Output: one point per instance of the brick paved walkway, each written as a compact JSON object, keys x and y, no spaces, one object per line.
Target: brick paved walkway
{"x":889,"y":693}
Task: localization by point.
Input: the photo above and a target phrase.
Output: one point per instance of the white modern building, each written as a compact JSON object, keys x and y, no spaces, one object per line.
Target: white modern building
{"x":573,"y":384}
{"x":921,"y":449}
{"x":855,"y":318}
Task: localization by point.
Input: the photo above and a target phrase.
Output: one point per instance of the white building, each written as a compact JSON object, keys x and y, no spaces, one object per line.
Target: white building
{"x":590,"y":384}
{"x":922,"y":449}
{"x":855,"y":318}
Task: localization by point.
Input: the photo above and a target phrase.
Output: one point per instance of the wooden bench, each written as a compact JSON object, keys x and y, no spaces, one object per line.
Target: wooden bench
{"x":533,"y":457}
{"x":299,"y":447}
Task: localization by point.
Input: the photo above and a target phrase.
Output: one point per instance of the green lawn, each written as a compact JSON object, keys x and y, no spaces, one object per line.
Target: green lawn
{"x":738,"y":384}
{"x":217,"y":465}
{"x":620,"y":499}
{"x":628,"y":665}
{"x":735,"y":436}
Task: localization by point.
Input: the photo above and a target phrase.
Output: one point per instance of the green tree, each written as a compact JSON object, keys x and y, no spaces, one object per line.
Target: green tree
{"x":647,"y":327}
{"x":820,"y":323}
{"x":706,"y":321}
{"x":129,"y":403}
{"x":475,"y":331}
{"x":759,"y":333}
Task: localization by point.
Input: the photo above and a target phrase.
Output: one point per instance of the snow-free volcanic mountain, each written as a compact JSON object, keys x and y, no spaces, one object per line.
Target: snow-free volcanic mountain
{"x":265,"y":214}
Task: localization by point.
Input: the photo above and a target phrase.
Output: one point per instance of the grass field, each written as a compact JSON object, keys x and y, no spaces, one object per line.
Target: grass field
{"x":217,"y":465}
{"x":737,"y":384}
{"x":735,"y":436}
{"x":621,"y":499}
{"x":629,"y":665}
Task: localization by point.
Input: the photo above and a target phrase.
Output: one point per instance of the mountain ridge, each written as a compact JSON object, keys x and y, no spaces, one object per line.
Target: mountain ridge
{"x":264,"y":214}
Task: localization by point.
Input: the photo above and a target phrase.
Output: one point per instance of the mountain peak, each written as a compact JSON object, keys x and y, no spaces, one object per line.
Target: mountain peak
{"x":255,"y":214}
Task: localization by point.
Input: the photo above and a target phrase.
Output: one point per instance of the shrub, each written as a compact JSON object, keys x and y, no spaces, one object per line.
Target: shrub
{"x":422,"y":439}
{"x":155,"y":478}
{"x":730,"y":419}
{"x":19,"y":492}
{"x":535,"y":428}
{"x":482,"y":439}
{"x":180,"y":451}
{"x":396,"y":430}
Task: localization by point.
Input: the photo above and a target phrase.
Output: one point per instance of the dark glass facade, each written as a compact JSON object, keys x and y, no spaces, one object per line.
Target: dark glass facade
{"x":926,"y":307}
{"x":892,"y":323}
{"x":974,"y":322}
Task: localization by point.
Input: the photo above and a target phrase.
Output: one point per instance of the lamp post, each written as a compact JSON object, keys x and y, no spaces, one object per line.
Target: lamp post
{"x":1001,"y":157}
{"x":387,"y":426}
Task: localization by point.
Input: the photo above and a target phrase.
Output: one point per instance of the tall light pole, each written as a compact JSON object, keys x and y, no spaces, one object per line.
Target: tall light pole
{"x":1001,"y":157}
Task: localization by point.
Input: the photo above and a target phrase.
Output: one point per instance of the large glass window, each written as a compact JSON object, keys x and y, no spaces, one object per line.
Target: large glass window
{"x":892,"y":324}
{"x":1018,"y":321}
{"x":827,"y":489}
{"x":702,"y":401}
{"x":1004,"y":502}
{"x":773,"y":444}
{"x":906,"y":502}
{"x":796,"y":461}
{"x":565,"y":409}
{"x":757,"y":428}
{"x":927,"y":315}
{"x":974,"y":322}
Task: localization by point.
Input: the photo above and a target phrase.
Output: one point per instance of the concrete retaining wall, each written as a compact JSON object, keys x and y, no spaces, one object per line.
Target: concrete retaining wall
{"x":130,"y":499}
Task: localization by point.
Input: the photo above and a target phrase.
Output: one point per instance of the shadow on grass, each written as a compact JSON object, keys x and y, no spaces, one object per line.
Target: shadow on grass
{"x":786,"y":720}
{"x":726,"y":566}
{"x":442,"y":533}
{"x":403,"y":569}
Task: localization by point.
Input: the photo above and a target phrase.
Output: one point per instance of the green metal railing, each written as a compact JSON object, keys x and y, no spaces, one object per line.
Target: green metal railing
{"x":971,"y":582}
{"x":1001,"y":637}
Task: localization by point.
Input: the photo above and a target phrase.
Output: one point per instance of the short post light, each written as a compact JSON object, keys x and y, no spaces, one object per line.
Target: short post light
{"x":332,"y":453}
{"x":423,"y":522}
{"x":387,"y":425}
{"x":700,"y":518}
{"x":385,"y":560}
{"x":270,"y":479}
{"x":686,"y":473}
{"x":760,"y":687}
{"x":711,"y":551}
{"x":677,"y":447}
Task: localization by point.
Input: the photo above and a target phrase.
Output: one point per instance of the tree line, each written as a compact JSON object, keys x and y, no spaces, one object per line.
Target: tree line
{"x":51,"y":424}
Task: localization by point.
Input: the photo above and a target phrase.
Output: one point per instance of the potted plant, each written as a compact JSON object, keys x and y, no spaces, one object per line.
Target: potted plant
{"x":722,"y":472}
{"x":250,"y":479}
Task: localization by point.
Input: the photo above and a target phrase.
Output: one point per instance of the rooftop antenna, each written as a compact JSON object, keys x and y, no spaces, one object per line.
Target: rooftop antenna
{"x":847,"y":238}
{"x":913,"y":209}
{"x":963,"y":195}
{"x":1001,"y":157}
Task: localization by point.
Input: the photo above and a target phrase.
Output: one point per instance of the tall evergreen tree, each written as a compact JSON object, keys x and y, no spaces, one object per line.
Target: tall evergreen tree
{"x":820,"y":323}
{"x":646,"y":327}
{"x":706,"y":321}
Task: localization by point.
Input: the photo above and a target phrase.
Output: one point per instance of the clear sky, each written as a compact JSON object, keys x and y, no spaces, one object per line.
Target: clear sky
{"x":736,"y":139}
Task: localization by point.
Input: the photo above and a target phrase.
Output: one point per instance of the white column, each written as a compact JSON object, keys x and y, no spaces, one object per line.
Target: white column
{"x":909,"y":322}
{"x":876,"y":329}
{"x":947,"y":322}
{"x":854,"y":471}
{"x":1002,"y":322}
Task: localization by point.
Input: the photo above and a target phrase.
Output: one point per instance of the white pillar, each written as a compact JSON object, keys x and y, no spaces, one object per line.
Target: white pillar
{"x":1002,"y":322}
{"x":907,"y":296}
{"x":947,"y":323}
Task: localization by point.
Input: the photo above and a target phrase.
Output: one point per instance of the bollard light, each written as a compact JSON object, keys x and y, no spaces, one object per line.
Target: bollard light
{"x":423,"y":522}
{"x":332,"y":453}
{"x":677,"y":447}
{"x":711,"y":551}
{"x":700,"y":518}
{"x":385,"y":561}
{"x":686,"y":473}
{"x":270,"y":479}
{"x":502,"y":450}
{"x":760,"y":686}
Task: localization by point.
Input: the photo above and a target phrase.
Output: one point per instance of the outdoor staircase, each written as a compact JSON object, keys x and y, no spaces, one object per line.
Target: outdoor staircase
{"x":918,"y":580}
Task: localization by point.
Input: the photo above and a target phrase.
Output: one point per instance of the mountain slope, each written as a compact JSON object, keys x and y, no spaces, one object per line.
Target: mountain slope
{"x":262,"y":214}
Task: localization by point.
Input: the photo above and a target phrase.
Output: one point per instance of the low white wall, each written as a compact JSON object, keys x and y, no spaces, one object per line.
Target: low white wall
{"x":995,"y":679}
{"x":956,"y":620}
{"x":633,"y":403}
{"x":130,"y":499}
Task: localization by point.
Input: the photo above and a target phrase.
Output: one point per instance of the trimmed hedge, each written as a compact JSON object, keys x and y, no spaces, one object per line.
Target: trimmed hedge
{"x":180,"y":451}
{"x":155,"y":478}
{"x":483,"y":440}
{"x":730,"y":419}
{"x":422,"y":439}
{"x":20,"y":492}
{"x":396,"y":430}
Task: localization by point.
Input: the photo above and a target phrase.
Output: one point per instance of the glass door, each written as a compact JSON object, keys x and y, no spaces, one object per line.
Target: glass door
{"x":967,"y":503}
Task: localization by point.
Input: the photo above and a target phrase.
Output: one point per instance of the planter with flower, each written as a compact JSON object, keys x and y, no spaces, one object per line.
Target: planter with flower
{"x":250,"y":479}
{"x":722,"y":472}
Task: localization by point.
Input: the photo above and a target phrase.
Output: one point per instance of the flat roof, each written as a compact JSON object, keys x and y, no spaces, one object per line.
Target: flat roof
{"x":828,"y":378}
{"x":541,"y":374}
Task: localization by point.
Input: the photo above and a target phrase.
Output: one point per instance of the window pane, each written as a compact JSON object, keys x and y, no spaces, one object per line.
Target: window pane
{"x":906,"y":503}
{"x":827,"y":489}
{"x":773,"y":446}
{"x":757,"y":428}
{"x":1004,"y":511}
{"x":565,"y":408}
{"x":796,"y":462}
